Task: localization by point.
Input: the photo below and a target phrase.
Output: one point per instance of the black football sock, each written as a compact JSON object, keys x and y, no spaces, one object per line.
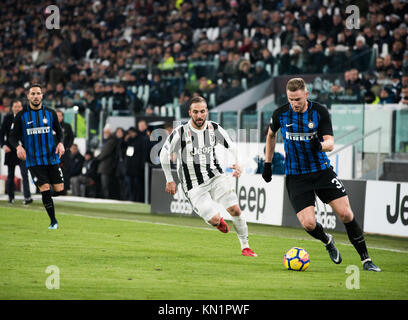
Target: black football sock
{"x":356,"y":238}
{"x":318,"y":233}
{"x":49,"y":205}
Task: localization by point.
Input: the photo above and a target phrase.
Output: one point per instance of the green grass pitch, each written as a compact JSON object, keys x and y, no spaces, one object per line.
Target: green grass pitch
{"x":121,"y":251}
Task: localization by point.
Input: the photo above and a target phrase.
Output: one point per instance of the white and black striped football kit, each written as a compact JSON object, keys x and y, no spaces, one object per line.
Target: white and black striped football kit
{"x":197,"y":160}
{"x":204,"y":183}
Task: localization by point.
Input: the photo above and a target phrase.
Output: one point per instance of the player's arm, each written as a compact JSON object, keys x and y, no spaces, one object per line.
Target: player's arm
{"x":328,"y":143}
{"x":166,"y":152}
{"x":325,"y":131}
{"x":270,"y":145}
{"x":269,"y":152}
{"x":225,"y":140}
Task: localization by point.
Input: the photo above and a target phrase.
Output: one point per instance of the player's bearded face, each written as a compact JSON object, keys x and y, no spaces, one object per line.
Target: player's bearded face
{"x":198,"y":113}
{"x":35,"y":97}
{"x":298,"y":100}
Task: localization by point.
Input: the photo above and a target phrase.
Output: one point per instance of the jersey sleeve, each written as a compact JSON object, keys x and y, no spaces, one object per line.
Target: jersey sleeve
{"x":223,"y":138}
{"x":274,"y":122}
{"x":325,"y":124}
{"x":171,"y":145}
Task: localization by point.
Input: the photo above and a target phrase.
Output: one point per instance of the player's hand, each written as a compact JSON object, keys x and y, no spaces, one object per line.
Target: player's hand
{"x":171,"y":187}
{"x":60,"y":149}
{"x":6,"y":149}
{"x":21,"y":154}
{"x":267,"y":172}
{"x":315,"y":144}
{"x":237,"y":170}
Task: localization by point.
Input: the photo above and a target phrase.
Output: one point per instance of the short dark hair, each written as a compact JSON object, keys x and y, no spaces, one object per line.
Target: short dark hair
{"x":34,"y":85}
{"x":196,"y":100}
{"x":14,"y":101}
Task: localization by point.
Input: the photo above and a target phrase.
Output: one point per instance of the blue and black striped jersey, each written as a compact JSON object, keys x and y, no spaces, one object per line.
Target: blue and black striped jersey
{"x":297,"y":130}
{"x":35,"y":130}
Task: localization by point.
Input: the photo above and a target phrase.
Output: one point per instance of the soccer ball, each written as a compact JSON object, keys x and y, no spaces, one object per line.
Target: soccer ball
{"x":296,"y":259}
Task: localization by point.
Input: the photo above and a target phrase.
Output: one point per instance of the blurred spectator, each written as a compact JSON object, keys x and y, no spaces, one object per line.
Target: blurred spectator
{"x":352,"y":82}
{"x":361,"y":54}
{"x":284,"y":61}
{"x":158,"y":91}
{"x":136,"y":156}
{"x":316,"y":59}
{"x":94,"y":106}
{"x":403,"y":98}
{"x":183,"y":102}
{"x":405,"y":63}
{"x":10,"y":156}
{"x":128,"y":42}
{"x":68,"y":140}
{"x":120,"y":191}
{"x":260,"y":74}
{"x":76,"y":159}
{"x":85,"y":184}
{"x":121,"y":99}
{"x":106,"y":160}
{"x":386,"y":96}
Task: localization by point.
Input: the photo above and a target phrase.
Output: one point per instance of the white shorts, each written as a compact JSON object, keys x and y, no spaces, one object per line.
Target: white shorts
{"x":213,"y":196}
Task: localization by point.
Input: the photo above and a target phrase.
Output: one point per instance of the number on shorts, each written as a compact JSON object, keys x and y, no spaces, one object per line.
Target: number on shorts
{"x":338,"y":183}
{"x":61,"y":174}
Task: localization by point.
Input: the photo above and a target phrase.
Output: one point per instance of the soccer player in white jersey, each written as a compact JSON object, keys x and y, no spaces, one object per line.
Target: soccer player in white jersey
{"x":204,"y":183}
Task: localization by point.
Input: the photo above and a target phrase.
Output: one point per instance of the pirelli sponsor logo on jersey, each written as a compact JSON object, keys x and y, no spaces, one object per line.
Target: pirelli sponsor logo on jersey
{"x":300,"y":136}
{"x":39,"y":130}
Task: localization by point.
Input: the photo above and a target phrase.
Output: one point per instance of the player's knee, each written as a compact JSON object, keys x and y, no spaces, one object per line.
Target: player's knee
{"x":308,"y":223}
{"x":346,"y":215}
{"x":234,"y":211}
{"x":215,"y":220}
{"x":44,"y":187}
{"x":58,"y":187}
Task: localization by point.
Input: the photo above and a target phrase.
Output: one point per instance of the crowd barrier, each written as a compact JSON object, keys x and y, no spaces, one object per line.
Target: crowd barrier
{"x":381,"y":207}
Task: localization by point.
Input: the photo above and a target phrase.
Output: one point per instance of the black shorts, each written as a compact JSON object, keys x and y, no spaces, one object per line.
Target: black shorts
{"x":51,"y":174}
{"x":303,"y":187}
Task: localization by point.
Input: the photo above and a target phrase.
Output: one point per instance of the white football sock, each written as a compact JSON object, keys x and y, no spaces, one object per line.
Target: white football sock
{"x":241,"y":228}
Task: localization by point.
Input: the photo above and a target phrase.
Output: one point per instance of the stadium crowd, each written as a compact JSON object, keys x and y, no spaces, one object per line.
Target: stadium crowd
{"x":177,"y":48}
{"x":214,"y":48}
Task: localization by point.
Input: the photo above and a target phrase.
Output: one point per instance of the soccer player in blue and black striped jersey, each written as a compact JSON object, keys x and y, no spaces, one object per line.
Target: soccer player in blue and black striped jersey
{"x":307,"y":133}
{"x":37,"y":137}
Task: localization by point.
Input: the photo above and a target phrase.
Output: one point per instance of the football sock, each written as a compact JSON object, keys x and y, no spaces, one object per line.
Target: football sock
{"x":241,"y":228}
{"x":356,"y":237}
{"x":318,"y":233}
{"x":49,"y":205}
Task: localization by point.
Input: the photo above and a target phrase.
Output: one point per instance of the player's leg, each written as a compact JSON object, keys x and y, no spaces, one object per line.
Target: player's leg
{"x":241,"y":227}
{"x":354,"y":232}
{"x":302,"y":198}
{"x":307,"y":219}
{"x":44,"y":177}
{"x":223,"y":193}
{"x":45,"y":190}
{"x":202,"y":203}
